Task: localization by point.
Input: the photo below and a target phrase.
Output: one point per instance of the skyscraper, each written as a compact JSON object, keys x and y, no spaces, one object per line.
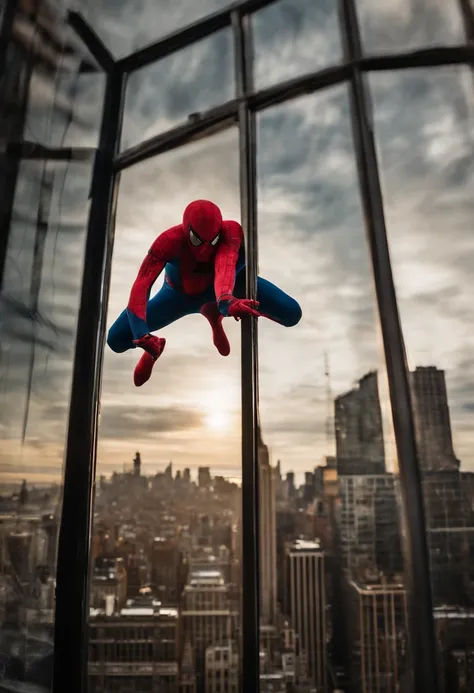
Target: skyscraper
{"x":204,"y":477}
{"x":377,"y":624}
{"x":268,"y":549}
{"x":305,"y":604}
{"x":359,"y":430}
{"x":208,"y":619}
{"x":432,"y":419}
{"x":369,"y":525}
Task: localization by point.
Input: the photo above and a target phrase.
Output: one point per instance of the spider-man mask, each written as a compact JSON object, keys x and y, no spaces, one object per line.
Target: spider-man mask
{"x":202,"y":222}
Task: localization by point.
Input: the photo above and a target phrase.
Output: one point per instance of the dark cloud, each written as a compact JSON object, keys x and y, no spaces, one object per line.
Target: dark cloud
{"x":128,"y":423}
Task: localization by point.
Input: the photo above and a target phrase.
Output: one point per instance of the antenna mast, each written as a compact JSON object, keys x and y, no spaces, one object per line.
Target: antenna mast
{"x":329,"y":403}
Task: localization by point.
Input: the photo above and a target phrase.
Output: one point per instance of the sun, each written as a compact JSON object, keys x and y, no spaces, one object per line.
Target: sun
{"x":217,"y":421}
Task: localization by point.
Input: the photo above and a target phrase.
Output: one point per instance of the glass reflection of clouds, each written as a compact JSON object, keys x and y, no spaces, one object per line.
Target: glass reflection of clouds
{"x":425,"y":141}
{"x":294,"y":37}
{"x":38,"y":317}
{"x":128,"y":26}
{"x":163,"y":95}
{"x":312,"y":240}
{"x":402,"y":25}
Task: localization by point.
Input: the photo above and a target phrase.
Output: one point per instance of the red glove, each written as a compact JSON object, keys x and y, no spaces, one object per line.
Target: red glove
{"x":238,"y":307}
{"x":151,"y":344}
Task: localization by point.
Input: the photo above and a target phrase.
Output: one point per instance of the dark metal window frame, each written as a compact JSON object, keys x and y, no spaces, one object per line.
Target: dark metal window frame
{"x":70,"y":672}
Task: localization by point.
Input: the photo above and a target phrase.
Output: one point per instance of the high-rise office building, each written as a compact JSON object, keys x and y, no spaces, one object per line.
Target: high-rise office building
{"x":208,"y":619}
{"x":432,"y":419}
{"x":359,"y":429}
{"x":166,"y":560}
{"x":369,"y":525}
{"x":222,"y":669}
{"x":450,"y":535}
{"x":377,"y":625}
{"x":454,"y":627}
{"x":305,"y":604}
{"x":136,"y":646}
{"x":204,"y":477}
{"x":268,"y":548}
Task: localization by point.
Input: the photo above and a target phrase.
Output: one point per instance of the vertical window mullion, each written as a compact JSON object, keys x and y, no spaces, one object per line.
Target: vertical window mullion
{"x":250,"y":646}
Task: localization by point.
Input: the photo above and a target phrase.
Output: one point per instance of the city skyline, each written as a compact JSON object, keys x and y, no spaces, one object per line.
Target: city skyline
{"x":312,"y":243}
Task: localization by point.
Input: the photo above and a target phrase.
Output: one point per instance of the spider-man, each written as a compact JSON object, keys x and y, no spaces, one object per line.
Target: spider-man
{"x":203,"y":258}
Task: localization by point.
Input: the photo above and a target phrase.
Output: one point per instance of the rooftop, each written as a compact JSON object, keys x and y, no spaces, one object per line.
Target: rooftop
{"x":305,"y":545}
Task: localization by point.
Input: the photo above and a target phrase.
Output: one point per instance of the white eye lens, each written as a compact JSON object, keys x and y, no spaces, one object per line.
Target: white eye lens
{"x":194,"y":239}
{"x":216,"y":239}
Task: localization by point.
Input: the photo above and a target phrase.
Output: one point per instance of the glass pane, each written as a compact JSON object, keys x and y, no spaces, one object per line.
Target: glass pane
{"x":390,"y":27}
{"x":333,"y":534}
{"x":163,"y":95}
{"x":424,"y":133}
{"x":167,"y":517}
{"x":44,"y":215}
{"x":294,"y":37}
{"x":126,"y":27}
{"x":58,"y":104}
{"x":38,"y":316}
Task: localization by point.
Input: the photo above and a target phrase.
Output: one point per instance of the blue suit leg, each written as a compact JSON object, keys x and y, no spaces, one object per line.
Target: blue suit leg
{"x":274,"y":302}
{"x":167,"y":306}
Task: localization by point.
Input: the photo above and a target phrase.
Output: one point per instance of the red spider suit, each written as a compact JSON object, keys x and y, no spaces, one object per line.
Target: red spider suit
{"x":203,"y":258}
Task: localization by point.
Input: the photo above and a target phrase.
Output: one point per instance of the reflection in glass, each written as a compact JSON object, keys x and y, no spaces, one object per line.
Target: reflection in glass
{"x":163,"y":95}
{"x":294,"y":37}
{"x":127,"y":27}
{"x":404,"y":25}
{"x":325,"y":411}
{"x":166,"y":542}
{"x":44,"y":217}
{"x":425,"y":141}
{"x":57,"y":103}
{"x":38,"y":314}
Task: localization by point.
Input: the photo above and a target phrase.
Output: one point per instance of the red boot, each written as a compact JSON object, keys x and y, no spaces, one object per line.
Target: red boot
{"x":212,"y":313}
{"x":144,"y":368}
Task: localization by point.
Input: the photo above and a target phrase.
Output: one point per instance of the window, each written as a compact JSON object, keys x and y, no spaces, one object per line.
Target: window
{"x":333,"y":430}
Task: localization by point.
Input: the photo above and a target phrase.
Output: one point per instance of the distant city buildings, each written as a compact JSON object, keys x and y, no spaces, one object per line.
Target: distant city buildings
{"x":432,"y":419}
{"x":268,"y":558}
{"x":305,"y":603}
{"x":358,"y":427}
{"x":165,"y":584}
{"x":369,"y":525}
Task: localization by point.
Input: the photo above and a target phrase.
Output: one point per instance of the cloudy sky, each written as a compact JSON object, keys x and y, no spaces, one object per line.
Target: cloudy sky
{"x":311,"y":241}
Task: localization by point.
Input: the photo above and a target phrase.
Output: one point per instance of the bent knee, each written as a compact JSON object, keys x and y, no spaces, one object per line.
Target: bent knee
{"x":118,"y":342}
{"x":293,"y":314}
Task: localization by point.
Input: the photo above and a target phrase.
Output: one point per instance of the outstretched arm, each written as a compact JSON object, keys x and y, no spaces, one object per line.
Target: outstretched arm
{"x":225,"y":267}
{"x":165,"y":247}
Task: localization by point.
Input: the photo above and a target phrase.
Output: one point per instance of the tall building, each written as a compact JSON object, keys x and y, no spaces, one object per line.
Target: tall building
{"x":369,"y":526}
{"x":432,"y":419}
{"x":204,"y":477}
{"x":377,"y":624}
{"x":222,"y":669}
{"x":134,"y":649}
{"x":166,"y":560}
{"x":454,"y":628}
{"x":268,"y":548}
{"x":208,"y":619}
{"x":359,"y":430}
{"x":450,"y":535}
{"x":137,"y":464}
{"x":305,"y":604}
{"x":50,"y":525}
